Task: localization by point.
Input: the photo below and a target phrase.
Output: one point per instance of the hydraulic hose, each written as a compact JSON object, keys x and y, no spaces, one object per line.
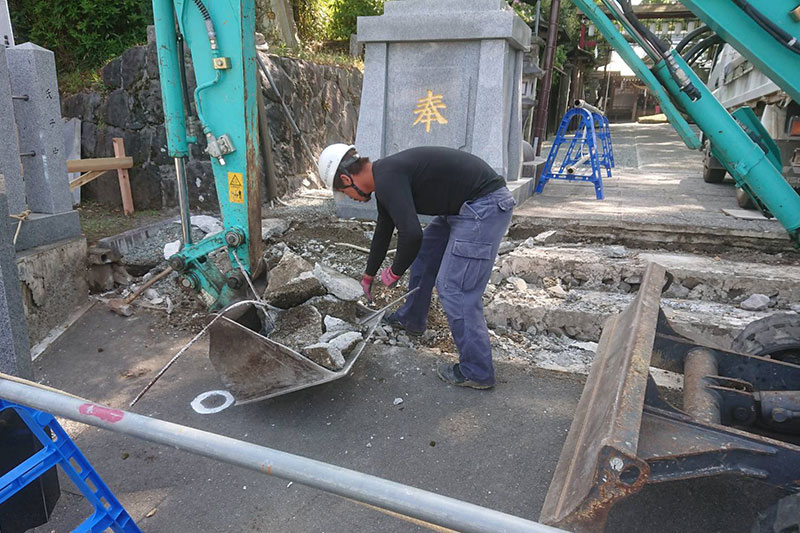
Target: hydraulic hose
{"x":680,"y":77}
{"x":770,"y":27}
{"x":697,"y":50}
{"x":627,"y":8}
{"x":689,"y":36}
{"x":212,"y":34}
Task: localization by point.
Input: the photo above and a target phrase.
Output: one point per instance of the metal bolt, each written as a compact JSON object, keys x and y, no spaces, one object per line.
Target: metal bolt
{"x":28,"y":154}
{"x":742,"y":414}
{"x":235,"y":281}
{"x":177,"y":263}
{"x":233,"y":238}
{"x":780,"y":415}
{"x":20,"y":97}
{"x":187,"y":282}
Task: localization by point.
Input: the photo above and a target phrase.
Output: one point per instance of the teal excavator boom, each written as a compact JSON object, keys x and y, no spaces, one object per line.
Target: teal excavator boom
{"x":223,"y":109}
{"x":767,"y":34}
{"x":625,"y":435}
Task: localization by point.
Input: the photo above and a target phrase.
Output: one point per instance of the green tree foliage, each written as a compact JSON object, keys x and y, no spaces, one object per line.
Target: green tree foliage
{"x":345,"y":13}
{"x":83,"y":34}
{"x":313,"y":19}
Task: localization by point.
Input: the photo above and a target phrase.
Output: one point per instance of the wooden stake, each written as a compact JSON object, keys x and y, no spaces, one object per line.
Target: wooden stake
{"x":124,"y":181}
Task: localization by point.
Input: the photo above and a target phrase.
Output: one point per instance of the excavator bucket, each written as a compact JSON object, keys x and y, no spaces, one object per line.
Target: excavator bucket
{"x":598,"y":463}
{"x":254,"y":367}
{"x":625,"y":435}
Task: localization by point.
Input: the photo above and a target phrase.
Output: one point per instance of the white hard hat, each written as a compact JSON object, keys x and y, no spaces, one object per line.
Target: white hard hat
{"x":329,"y":161}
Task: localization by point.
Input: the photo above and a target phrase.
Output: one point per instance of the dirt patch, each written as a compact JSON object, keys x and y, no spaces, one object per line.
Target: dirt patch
{"x":98,"y":221}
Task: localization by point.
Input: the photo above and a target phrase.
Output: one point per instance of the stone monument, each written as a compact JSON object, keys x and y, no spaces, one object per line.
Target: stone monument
{"x":443,"y":73}
{"x":31,"y":71}
{"x":45,"y":281}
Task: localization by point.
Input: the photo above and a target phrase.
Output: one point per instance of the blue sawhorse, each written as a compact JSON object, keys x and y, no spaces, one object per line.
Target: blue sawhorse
{"x":589,"y":150}
{"x":61,"y":450}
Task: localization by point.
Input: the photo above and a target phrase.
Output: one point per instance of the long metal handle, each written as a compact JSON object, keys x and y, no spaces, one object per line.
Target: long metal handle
{"x":396,"y":497}
{"x":386,"y":307}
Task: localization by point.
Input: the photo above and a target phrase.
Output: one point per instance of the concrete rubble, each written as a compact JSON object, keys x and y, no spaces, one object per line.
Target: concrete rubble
{"x":546,"y":301}
{"x":292,"y":282}
{"x":341,"y":286}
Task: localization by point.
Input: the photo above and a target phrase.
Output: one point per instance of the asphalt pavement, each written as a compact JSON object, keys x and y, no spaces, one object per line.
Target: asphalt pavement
{"x":493,"y":448}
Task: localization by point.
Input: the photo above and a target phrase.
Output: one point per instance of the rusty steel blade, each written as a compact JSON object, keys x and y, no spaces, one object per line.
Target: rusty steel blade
{"x":598,"y":463}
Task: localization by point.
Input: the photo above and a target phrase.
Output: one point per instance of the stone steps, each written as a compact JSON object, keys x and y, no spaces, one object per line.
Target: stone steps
{"x":618,"y":270}
{"x":582,"y":313}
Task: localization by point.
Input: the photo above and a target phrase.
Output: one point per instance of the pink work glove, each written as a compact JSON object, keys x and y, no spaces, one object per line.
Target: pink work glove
{"x":366,"y":285}
{"x":388,"y":277}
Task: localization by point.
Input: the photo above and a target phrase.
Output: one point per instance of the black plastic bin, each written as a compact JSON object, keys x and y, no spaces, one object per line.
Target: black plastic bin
{"x":33,"y":505}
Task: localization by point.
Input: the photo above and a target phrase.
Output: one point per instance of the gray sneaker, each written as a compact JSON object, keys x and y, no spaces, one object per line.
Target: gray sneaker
{"x":451,"y":374}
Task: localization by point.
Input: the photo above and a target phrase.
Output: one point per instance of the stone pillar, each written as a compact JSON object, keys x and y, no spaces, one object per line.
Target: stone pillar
{"x":72,"y":145}
{"x":444,"y":73}
{"x":15,"y":354}
{"x":277,"y":16}
{"x":43,"y":185}
{"x":10,"y":165}
{"x":6,"y":33}
{"x":33,"y":73}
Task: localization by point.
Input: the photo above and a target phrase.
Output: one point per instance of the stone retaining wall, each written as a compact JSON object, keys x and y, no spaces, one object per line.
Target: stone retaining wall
{"x":324,"y":101}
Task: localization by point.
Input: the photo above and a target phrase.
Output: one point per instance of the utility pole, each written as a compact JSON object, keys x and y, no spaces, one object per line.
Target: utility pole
{"x":540,"y":118}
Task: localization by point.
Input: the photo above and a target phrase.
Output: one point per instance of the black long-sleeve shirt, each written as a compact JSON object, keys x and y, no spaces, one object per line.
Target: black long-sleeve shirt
{"x":429,"y":180}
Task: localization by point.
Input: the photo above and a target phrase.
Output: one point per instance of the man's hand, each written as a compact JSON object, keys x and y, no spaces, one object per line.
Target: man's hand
{"x":388,"y":277}
{"x":366,"y":286}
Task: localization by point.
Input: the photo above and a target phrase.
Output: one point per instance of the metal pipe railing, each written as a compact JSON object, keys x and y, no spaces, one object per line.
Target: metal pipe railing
{"x":588,"y":107}
{"x":371,"y":490}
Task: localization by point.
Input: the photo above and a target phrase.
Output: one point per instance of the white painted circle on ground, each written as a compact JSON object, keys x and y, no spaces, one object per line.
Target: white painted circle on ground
{"x":197,"y":403}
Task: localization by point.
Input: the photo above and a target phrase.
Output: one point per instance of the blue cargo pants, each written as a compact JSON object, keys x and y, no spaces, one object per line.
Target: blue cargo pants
{"x":457,"y":256}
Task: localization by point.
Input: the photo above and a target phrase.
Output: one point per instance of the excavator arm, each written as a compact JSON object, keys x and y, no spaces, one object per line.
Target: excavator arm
{"x":769,"y":36}
{"x":223,"y":110}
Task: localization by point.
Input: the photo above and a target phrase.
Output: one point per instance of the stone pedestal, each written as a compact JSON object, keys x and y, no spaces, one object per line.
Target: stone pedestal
{"x":444,"y":73}
{"x":15,"y":356}
{"x":53,"y":285}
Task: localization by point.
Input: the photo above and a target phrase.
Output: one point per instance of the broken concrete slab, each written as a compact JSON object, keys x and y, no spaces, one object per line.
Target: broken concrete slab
{"x":517,"y":283}
{"x":331,"y":305}
{"x":272,"y":227}
{"x":346,"y":341}
{"x":581,"y":316}
{"x":297,"y":327}
{"x":756,"y":302}
{"x":336,"y":283}
{"x":292,"y":283}
{"x":333,"y":323}
{"x":546,"y":237}
{"x":744,"y":214}
{"x":589,"y":267}
{"x":506,"y":247}
{"x":328,"y":336}
{"x":557,"y":291}
{"x":326,"y":355}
